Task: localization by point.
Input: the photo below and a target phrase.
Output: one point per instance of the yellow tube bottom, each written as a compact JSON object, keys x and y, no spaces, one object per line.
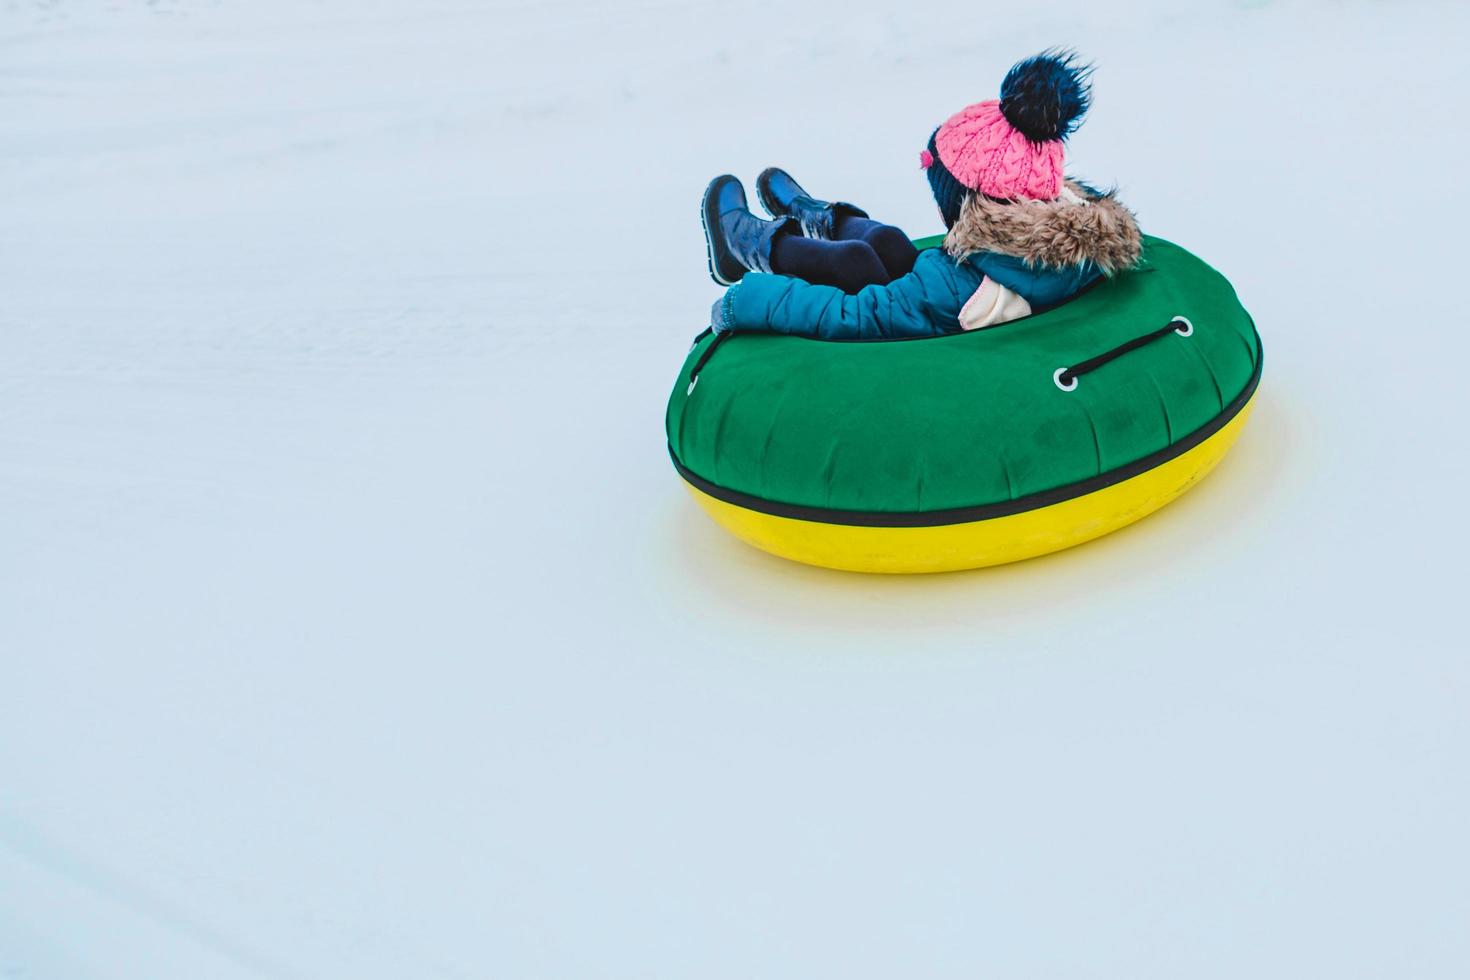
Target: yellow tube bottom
{"x":951,"y":547}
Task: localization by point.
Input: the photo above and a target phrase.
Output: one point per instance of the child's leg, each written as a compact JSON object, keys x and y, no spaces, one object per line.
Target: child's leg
{"x":894,"y":249}
{"x":847,"y":265}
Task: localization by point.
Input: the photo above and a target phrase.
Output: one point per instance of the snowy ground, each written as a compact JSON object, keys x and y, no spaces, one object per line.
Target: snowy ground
{"x":353,"y":623}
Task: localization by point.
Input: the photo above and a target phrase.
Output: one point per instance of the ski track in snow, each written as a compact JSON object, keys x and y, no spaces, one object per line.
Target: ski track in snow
{"x":355,"y":625}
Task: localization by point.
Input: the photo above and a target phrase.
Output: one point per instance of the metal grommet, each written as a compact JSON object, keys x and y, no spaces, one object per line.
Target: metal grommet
{"x":1057,"y":378}
{"x":1185,"y":330}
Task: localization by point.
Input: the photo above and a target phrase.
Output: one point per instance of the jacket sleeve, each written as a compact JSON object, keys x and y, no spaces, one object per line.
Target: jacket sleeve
{"x":920,"y":304}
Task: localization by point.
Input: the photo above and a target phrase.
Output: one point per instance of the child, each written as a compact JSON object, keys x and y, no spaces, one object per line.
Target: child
{"x":1021,"y":237}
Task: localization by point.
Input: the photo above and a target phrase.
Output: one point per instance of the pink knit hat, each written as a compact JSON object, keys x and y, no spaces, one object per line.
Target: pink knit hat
{"x":1010,"y":148}
{"x":987,"y":154}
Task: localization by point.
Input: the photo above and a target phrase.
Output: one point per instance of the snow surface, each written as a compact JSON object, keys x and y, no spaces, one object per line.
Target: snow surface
{"x":355,"y":625}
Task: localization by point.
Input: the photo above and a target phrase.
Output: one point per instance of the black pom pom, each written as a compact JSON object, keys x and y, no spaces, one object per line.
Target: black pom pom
{"x":1046,"y":95}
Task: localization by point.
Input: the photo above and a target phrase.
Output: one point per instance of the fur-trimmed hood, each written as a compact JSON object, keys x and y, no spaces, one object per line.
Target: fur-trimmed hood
{"x":1077,"y":227}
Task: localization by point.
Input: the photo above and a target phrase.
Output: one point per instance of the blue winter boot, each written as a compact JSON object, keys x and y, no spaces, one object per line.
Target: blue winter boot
{"x":737,"y":240}
{"x":782,"y":196}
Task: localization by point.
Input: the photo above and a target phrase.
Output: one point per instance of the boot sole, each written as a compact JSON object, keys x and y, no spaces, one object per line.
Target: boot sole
{"x":723,"y":268}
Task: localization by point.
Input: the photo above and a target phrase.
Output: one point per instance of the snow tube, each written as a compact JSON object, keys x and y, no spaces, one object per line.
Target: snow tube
{"x":975,"y":448}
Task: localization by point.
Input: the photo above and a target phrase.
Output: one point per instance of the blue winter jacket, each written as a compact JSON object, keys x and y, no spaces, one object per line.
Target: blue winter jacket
{"x":924,"y":303}
{"x":1069,"y":244}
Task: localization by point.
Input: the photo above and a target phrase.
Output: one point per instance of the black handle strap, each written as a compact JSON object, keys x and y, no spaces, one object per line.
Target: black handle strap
{"x":709,"y":351}
{"x":1066,"y":378}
